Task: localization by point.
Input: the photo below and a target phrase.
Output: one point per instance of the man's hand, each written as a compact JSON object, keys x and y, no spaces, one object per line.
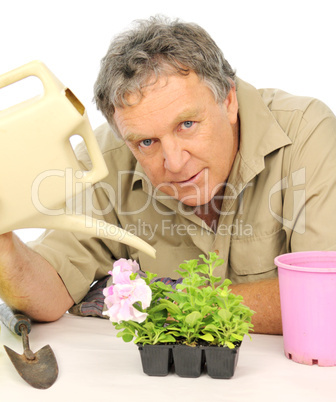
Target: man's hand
{"x":264,"y":298}
{"x":29,"y":283}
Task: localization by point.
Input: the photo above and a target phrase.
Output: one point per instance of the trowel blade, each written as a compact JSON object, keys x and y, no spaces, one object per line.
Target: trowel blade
{"x":41,"y":372}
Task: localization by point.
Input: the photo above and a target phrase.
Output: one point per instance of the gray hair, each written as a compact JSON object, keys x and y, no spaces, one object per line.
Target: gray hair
{"x":154,"y":48}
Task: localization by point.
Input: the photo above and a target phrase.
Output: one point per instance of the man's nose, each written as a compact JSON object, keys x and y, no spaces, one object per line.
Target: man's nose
{"x":174,"y":155}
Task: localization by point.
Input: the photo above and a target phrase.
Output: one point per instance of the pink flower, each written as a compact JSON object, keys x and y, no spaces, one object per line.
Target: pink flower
{"x":127,"y":265}
{"x":123,"y":269}
{"x":125,"y":292}
{"x":108,"y":293}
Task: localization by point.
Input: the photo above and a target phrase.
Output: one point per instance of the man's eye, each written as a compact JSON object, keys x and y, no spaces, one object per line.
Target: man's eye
{"x":187,"y":124}
{"x":146,"y":143}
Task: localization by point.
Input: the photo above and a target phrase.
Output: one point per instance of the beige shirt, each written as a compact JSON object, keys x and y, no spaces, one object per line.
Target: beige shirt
{"x":280,"y":197}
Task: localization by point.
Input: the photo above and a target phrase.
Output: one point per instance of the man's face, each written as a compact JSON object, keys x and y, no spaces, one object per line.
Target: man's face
{"x":185,"y":141}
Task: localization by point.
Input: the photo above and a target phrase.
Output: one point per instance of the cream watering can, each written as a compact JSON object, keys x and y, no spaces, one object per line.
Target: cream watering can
{"x":37,"y":161}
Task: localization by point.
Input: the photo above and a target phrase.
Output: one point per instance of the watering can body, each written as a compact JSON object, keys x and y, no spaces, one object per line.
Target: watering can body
{"x":37,"y":161}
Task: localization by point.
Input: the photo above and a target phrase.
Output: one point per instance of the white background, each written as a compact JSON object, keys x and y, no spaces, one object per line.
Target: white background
{"x":284,"y":44}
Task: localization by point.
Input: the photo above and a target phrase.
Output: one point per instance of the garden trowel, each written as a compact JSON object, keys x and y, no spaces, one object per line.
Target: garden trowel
{"x":38,"y":369}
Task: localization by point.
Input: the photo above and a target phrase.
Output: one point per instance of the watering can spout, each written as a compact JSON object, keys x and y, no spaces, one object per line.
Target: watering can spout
{"x":95,"y":228}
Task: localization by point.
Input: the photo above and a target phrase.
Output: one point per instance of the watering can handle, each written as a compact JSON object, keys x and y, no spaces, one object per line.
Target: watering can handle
{"x":99,"y":169}
{"x":51,"y":86}
{"x":34,"y":68}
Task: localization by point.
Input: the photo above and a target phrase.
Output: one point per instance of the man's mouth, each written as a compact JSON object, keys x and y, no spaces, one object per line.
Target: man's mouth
{"x":191,"y":179}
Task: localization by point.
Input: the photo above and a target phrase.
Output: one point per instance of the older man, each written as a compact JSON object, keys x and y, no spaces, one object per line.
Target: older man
{"x":198,"y":161}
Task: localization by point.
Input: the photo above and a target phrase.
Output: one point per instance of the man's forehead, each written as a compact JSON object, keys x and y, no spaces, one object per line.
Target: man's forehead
{"x":155,"y":85}
{"x":175,"y":94}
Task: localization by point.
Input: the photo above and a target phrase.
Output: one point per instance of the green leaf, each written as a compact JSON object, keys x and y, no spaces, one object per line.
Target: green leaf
{"x":218,"y":262}
{"x":237,"y":337}
{"x":205,"y":259}
{"x":193,"y":318}
{"x":181,"y":286}
{"x":149,"y":326}
{"x":156,"y":309}
{"x":225,"y":315}
{"x":215,"y":279}
{"x":203,"y":268}
{"x":207,"y":337}
{"x":127,"y":337}
{"x":210,"y":327}
{"x":133,"y":276}
{"x":163,"y":286}
{"x":166,"y":338}
{"x":171,"y":307}
{"x":206,"y":310}
{"x":150,"y":276}
{"x":177,"y":297}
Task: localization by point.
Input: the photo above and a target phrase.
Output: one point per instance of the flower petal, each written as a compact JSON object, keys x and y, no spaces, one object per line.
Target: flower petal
{"x":120,"y":297}
{"x":142,"y":293}
{"x":108,"y":291}
{"x":120,"y":276}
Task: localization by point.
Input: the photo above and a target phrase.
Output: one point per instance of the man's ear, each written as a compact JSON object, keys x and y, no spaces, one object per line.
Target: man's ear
{"x":231,"y":105}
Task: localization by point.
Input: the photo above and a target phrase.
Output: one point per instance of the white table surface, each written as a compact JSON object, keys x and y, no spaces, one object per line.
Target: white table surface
{"x":95,"y":365}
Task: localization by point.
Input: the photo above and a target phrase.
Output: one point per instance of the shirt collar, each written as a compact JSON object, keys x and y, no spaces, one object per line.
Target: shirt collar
{"x":259,"y":132}
{"x":140,"y":176}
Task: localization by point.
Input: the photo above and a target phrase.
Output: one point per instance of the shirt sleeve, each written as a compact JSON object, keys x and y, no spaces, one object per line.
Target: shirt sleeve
{"x":310,"y":186}
{"x":78,"y":259}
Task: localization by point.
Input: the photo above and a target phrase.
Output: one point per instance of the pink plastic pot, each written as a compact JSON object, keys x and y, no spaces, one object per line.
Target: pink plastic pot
{"x":307,"y":283}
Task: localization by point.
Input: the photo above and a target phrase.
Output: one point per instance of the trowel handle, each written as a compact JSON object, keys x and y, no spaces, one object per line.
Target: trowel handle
{"x":13,"y":320}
